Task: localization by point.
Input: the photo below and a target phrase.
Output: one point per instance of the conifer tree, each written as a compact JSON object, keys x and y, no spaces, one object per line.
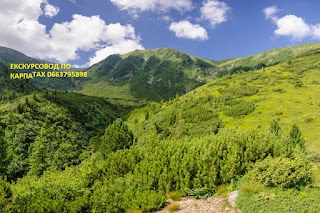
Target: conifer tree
{"x":295,"y":137}
{"x":117,"y":136}
{"x":275,"y":127}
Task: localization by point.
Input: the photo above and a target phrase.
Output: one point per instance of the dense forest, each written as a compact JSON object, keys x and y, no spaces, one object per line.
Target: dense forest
{"x":253,"y":130}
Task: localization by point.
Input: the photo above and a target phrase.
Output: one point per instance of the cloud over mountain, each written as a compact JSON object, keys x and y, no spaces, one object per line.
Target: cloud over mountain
{"x":184,"y":29}
{"x":216,"y":12}
{"x":22,"y":30}
{"x":291,"y":26}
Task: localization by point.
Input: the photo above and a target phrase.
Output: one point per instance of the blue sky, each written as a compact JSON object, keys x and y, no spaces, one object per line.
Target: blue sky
{"x":83,"y":32}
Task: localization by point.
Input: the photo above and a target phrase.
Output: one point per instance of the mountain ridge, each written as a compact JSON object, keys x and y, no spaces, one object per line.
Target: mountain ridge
{"x":267,"y":58}
{"x":157,"y":74}
{"x":8,"y":56}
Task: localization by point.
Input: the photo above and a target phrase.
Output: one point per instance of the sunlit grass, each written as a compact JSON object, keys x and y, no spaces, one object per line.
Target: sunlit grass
{"x":118,"y":94}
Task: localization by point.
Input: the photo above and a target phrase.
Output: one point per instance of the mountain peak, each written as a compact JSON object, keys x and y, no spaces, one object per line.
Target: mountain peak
{"x":159,"y":52}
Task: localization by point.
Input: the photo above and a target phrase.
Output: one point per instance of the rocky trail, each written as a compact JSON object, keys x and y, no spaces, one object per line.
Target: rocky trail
{"x":209,"y":205}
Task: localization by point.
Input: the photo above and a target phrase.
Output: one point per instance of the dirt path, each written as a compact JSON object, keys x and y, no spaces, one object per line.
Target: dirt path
{"x":209,"y":205}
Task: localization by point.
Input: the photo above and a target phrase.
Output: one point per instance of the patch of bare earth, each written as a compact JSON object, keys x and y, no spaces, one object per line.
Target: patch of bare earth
{"x":209,"y":205}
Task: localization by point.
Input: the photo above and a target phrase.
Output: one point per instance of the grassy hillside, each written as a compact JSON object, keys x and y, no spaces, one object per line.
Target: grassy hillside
{"x":267,"y":58}
{"x":157,"y":74}
{"x":160,"y":74}
{"x":287,"y":92}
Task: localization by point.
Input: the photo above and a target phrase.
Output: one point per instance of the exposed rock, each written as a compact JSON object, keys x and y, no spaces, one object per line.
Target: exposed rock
{"x":209,"y":205}
{"x":169,"y":201}
{"x":233,"y":197}
{"x":210,"y":199}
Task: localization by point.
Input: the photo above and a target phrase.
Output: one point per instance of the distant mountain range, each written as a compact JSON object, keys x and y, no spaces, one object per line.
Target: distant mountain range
{"x":156,"y":74}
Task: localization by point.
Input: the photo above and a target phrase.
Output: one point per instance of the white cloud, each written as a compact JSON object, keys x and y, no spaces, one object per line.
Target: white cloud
{"x":51,"y":10}
{"x":19,"y":9}
{"x":270,"y":12}
{"x":316,"y":31}
{"x":166,"y":18}
{"x":118,"y":48}
{"x":184,"y":29}
{"x":291,"y":26}
{"x":21,"y":30}
{"x":215,"y":12}
{"x":134,"y":6}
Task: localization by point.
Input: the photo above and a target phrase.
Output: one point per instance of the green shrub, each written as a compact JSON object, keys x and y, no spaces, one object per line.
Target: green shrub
{"x":54,"y":192}
{"x":176,"y":196}
{"x":295,"y":138}
{"x":125,"y":194}
{"x":200,"y":193}
{"x":298,"y":83}
{"x":275,"y":127}
{"x":117,"y":136}
{"x":136,"y":211}
{"x":141,"y":176}
{"x":173,"y":207}
{"x":239,"y":108}
{"x":242,"y":90}
{"x":5,"y":195}
{"x":279,"y":90}
{"x":280,"y":200}
{"x":281,"y":172}
{"x":251,"y":187}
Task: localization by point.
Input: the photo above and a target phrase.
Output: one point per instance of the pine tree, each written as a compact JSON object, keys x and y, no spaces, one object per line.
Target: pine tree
{"x":275,"y":127}
{"x":117,"y":136}
{"x":295,"y":137}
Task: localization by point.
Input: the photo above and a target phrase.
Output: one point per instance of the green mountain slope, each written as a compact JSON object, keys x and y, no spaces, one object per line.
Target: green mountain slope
{"x":288,"y":92}
{"x":156,"y":75}
{"x":268,"y":58}
{"x":49,"y":129}
{"x":10,"y":89}
{"x":214,"y":139}
{"x":9,"y":56}
{"x":160,"y":74}
{"x":42,"y":129}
